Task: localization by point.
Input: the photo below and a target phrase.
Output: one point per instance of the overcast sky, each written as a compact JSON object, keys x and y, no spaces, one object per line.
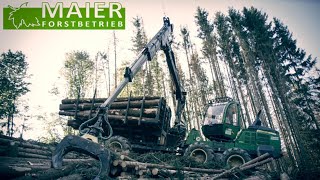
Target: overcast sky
{"x":45,"y":50}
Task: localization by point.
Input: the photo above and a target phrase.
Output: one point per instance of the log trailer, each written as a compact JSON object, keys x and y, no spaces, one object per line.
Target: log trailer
{"x":143,"y":123}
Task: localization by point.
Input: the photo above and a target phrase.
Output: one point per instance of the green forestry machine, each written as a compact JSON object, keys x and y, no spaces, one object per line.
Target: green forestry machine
{"x":144,"y":123}
{"x":226,"y":139}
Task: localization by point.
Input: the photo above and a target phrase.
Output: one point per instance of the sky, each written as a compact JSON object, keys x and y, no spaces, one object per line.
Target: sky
{"x":46,"y":49}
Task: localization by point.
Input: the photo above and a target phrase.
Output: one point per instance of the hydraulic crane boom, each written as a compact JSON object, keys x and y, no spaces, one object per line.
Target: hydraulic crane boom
{"x":92,"y":128}
{"x":161,"y":41}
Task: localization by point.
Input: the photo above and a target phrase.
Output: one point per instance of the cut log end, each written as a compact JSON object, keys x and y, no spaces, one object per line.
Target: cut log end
{"x":155,"y":171}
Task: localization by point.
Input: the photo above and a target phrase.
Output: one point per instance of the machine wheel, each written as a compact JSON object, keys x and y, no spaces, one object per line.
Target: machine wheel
{"x":118,"y":144}
{"x":234,"y":157}
{"x":200,"y":151}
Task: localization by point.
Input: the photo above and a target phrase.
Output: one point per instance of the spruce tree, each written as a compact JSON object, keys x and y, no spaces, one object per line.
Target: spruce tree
{"x":209,"y":49}
{"x":143,"y":78}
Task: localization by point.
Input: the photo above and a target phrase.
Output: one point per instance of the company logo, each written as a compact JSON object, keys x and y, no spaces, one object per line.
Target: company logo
{"x":93,"y":15}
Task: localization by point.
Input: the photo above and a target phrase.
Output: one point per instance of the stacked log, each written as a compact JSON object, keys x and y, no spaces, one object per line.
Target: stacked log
{"x":124,"y":166}
{"x":17,"y":148}
{"x":37,"y":168}
{"x":145,"y":109}
{"x":13,"y":147}
{"x":150,"y":113}
{"x":19,"y":158}
{"x":121,"y":167}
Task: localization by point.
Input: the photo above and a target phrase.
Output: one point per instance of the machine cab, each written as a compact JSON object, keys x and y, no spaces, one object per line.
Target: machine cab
{"x":222,"y":120}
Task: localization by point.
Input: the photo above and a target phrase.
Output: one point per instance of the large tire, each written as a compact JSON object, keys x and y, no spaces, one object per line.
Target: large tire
{"x":201,"y":152}
{"x":118,"y":144}
{"x":234,"y":157}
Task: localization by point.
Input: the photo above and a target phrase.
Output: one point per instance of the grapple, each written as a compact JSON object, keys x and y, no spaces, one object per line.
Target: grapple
{"x":85,"y":146}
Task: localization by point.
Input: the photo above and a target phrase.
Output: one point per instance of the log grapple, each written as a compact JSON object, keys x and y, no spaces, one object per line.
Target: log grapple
{"x":85,"y":146}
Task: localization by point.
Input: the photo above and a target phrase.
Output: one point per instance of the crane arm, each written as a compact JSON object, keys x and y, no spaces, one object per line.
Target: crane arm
{"x":90,"y":134}
{"x":161,"y":41}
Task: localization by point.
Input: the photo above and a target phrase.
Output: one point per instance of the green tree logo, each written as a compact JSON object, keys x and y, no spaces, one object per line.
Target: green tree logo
{"x":19,"y":17}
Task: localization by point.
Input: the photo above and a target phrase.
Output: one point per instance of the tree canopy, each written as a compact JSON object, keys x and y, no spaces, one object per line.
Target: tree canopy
{"x":13,"y":84}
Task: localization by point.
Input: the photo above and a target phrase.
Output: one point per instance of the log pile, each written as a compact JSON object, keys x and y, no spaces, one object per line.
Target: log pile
{"x":125,"y":111}
{"x":34,"y":168}
{"x":21,"y":158}
{"x":17,"y":148}
{"x":14,"y":147}
{"x":38,"y":165}
{"x":127,"y":167}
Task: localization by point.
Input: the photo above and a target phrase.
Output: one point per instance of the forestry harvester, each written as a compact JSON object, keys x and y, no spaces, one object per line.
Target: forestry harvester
{"x":143,"y":123}
{"x":226,"y":138}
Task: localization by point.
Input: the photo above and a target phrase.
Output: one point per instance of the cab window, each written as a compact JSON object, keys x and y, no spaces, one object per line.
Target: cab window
{"x":231,"y":115}
{"x":214,"y":115}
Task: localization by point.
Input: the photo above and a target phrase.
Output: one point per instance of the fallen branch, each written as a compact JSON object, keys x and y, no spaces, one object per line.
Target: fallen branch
{"x":259,"y":158}
{"x":256,"y":164}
